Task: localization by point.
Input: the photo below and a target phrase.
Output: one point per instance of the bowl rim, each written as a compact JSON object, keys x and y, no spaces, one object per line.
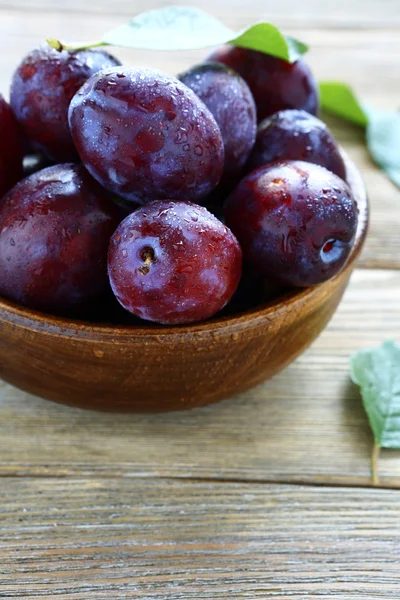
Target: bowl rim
{"x":66,"y":327}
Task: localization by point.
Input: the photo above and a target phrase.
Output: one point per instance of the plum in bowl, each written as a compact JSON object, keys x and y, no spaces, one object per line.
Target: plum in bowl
{"x":141,"y":368}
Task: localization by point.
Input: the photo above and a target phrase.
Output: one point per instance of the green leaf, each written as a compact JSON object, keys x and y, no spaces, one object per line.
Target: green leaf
{"x":377,"y":372}
{"x":189,"y":28}
{"x":339,"y":99}
{"x":266,"y":38}
{"x":383,"y":139}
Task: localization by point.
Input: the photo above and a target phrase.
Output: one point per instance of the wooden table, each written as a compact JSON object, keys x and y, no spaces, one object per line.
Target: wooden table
{"x":264,"y":496}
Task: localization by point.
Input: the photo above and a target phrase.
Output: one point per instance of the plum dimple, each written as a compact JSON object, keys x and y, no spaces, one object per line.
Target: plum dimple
{"x":229,"y":99}
{"x":54,"y":231}
{"x":296,"y":135}
{"x":144,"y":135}
{"x":41,"y":90}
{"x":274,"y":83}
{"x":295,"y":221}
{"x":173,"y":262}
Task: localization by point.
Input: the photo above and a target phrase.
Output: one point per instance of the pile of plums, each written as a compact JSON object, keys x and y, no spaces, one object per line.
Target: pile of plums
{"x":176,"y":196}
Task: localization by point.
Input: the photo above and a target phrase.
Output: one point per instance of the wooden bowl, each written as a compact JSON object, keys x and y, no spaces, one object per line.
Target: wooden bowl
{"x":148,"y":369}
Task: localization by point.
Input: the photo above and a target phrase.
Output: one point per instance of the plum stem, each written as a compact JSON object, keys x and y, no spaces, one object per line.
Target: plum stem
{"x":148,"y":256}
{"x":374,"y":464}
{"x":57,"y":45}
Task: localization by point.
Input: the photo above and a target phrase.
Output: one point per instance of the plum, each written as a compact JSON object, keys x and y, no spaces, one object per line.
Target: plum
{"x":41,"y":90}
{"x":230,"y":101}
{"x":274,"y":83}
{"x":55,"y":228}
{"x":11,"y":149}
{"x":173,"y":262}
{"x":296,"y":135}
{"x":146,"y":136}
{"x":295,"y":221}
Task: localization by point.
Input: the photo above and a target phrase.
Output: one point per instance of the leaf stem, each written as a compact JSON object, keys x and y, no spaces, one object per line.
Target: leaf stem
{"x":374,"y":464}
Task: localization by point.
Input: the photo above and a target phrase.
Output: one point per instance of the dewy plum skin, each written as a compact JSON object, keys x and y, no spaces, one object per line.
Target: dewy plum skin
{"x":146,"y":136}
{"x":121,"y":219}
{"x":295,"y":222}
{"x":173,"y":262}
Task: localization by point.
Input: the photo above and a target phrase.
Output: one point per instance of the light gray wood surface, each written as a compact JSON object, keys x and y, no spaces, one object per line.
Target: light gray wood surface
{"x":157,"y":539}
{"x":197,"y":505}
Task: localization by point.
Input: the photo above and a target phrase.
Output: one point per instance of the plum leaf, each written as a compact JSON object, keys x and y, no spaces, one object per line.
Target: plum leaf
{"x":382,"y":127}
{"x":377,"y":372}
{"x":190,"y":28}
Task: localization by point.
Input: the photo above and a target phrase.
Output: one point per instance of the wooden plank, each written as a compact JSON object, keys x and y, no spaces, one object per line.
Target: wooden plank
{"x":356,"y":56}
{"x":305,"y":425}
{"x":102,"y":539}
{"x":342,"y":13}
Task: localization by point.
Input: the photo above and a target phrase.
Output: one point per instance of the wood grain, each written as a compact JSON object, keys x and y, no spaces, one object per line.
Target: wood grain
{"x":103,"y":539}
{"x":368,"y":59}
{"x":306,"y":425}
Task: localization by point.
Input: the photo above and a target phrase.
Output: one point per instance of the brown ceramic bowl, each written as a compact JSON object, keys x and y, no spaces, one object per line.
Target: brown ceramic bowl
{"x":147,"y":369}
